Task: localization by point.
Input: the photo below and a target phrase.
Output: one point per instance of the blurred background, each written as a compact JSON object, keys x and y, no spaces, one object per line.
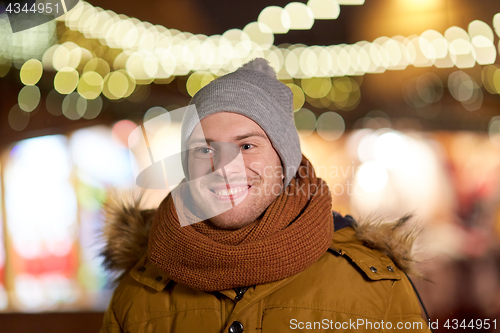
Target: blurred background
{"x":396,"y":102}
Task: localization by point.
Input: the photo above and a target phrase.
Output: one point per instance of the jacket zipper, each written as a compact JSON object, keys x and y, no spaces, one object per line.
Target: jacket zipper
{"x":239,"y":293}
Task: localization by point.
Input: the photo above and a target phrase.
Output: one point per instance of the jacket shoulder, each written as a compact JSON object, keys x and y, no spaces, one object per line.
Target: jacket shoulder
{"x":380,"y":248}
{"x":349,"y":282}
{"x":380,"y":253}
{"x":373,"y":263}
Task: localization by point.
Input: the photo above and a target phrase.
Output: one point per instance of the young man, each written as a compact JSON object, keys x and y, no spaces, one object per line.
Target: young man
{"x":262,"y":250}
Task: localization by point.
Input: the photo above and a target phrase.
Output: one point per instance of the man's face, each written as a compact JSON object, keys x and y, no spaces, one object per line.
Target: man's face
{"x":254,"y":181}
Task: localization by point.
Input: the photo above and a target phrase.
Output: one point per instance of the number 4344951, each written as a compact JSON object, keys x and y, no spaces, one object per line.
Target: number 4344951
{"x":47,"y":8}
{"x":472,"y":324}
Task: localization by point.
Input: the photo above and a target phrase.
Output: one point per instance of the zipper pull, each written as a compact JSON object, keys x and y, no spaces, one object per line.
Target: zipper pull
{"x":338,"y":252}
{"x":239,"y":293}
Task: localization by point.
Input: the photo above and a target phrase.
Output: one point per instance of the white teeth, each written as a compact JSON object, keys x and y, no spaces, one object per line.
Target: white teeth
{"x":232,"y":191}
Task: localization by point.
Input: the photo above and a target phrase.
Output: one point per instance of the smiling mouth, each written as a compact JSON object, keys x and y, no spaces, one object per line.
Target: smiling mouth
{"x":231,"y":191}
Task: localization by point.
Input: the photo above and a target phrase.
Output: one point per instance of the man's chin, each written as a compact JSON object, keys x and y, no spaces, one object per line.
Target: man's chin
{"x":230,"y":221}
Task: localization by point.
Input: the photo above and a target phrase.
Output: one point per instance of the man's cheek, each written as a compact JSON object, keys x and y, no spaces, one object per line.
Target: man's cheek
{"x":253,"y":165}
{"x":267,"y":172}
{"x":255,"y":191}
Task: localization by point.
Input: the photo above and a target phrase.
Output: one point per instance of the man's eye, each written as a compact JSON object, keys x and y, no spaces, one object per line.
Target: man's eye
{"x":204,"y":150}
{"x":246,"y":146}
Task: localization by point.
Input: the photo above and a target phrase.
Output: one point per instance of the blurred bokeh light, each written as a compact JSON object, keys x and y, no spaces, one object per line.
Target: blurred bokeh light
{"x":395,"y":102}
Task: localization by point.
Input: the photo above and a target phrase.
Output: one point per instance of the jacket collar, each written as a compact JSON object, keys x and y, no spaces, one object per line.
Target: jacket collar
{"x":374,"y":264}
{"x":147,"y":273}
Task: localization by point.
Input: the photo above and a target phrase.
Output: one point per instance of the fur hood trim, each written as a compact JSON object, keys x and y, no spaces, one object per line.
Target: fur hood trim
{"x":125,"y":232}
{"x":396,"y":239}
{"x":127,"y":226}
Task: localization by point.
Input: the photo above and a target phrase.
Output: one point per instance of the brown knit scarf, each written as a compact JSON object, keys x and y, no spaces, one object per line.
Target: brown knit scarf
{"x":295,"y":230}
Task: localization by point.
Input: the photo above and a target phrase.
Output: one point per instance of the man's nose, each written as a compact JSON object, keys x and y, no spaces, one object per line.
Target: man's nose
{"x":228,"y":158}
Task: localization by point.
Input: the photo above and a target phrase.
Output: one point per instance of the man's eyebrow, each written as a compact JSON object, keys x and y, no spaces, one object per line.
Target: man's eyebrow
{"x":198,"y":140}
{"x":248,"y":135}
{"x":235,"y":138}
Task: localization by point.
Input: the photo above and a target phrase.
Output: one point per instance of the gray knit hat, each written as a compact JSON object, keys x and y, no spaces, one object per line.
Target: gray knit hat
{"x":253,"y":91}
